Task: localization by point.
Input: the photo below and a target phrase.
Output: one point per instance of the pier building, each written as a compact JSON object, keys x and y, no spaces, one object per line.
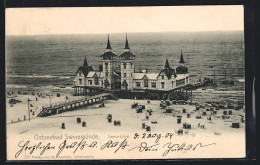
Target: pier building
{"x":118,"y":74}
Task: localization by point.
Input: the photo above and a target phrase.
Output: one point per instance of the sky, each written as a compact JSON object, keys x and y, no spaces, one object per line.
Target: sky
{"x":94,"y":20}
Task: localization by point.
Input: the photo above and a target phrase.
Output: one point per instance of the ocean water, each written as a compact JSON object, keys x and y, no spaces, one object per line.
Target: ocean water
{"x":49,"y":61}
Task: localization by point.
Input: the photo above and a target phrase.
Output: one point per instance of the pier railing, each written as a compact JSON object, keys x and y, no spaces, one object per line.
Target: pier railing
{"x":64,"y":106}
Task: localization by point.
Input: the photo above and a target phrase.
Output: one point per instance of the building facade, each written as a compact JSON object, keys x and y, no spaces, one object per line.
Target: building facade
{"x":123,"y":76}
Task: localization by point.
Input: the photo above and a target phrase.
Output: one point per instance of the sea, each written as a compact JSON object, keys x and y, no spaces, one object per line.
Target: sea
{"x":49,"y":62}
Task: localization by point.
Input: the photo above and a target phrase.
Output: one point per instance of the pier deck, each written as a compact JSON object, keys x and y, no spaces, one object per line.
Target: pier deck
{"x":69,"y":105}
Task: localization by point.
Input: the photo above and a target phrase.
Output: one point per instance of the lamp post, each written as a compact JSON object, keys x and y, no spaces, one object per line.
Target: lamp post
{"x":29,"y":108}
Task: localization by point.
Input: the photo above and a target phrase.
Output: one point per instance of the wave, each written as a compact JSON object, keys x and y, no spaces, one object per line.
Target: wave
{"x":39,"y":76}
{"x":241,"y":80}
{"x":15,"y":86}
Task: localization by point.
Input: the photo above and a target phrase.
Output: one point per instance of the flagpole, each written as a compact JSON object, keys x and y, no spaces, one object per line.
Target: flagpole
{"x":29,"y":108}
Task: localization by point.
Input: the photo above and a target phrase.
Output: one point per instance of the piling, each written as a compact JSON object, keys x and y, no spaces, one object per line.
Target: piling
{"x":63,"y":126}
{"x":78,"y":120}
{"x":83,"y":124}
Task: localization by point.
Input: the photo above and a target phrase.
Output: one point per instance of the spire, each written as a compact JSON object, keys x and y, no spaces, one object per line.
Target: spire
{"x":85,"y":64}
{"x":126,"y":43}
{"x":108,"y":44}
{"x":167,"y":65}
{"x":181,"y":59}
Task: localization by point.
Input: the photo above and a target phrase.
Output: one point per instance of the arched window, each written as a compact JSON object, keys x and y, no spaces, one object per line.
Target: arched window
{"x":96,"y":81}
{"x":145,"y":83}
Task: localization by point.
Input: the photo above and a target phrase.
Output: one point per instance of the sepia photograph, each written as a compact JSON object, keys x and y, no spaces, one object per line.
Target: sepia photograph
{"x":99,"y":83}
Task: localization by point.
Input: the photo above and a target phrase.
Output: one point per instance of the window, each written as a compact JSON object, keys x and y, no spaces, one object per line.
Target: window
{"x":145,"y":83}
{"x":124,"y":65}
{"x":131,"y":65}
{"x":80,"y":81}
{"x":153,"y":84}
{"x":124,"y":74}
{"x":106,"y":73}
{"x":172,"y":83}
{"x":138,"y":84}
{"x":106,"y":65}
{"x":96,"y":81}
{"x":79,"y":73}
{"x":90,"y":82}
{"x":131,"y":74}
{"x":187,"y":79}
{"x":162,"y":77}
{"x":162,"y":83}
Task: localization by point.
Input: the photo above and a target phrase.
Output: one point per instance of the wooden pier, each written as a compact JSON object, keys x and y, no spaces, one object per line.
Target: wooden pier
{"x":69,"y":105}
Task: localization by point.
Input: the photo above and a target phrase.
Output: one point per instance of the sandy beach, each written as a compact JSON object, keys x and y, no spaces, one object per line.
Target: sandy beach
{"x":215,"y":130}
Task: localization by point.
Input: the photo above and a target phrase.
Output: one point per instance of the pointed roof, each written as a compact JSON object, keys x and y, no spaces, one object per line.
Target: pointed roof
{"x":167,"y":65}
{"x":169,"y":72}
{"x":127,"y":55}
{"x":126,"y":43}
{"x":85,"y":64}
{"x":108,"y":43}
{"x":85,"y":70}
{"x":181,"y":59}
{"x":124,"y":84}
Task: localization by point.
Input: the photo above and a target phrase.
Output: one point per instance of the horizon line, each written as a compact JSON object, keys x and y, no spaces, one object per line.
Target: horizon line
{"x":127,"y":33}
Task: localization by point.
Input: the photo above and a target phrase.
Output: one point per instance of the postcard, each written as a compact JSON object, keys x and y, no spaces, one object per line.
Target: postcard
{"x":98,"y":83}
